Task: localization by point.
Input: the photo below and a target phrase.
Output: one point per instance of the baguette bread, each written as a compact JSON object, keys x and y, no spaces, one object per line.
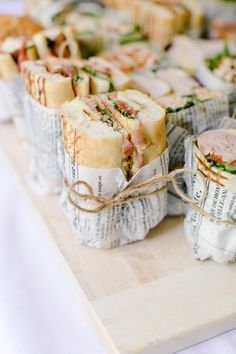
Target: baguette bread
{"x":49,"y":89}
{"x":124,"y":129}
{"x":53,"y":81}
{"x":14,"y":50}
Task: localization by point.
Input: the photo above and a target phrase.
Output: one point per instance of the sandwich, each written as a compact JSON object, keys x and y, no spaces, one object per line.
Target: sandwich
{"x":223,"y":65}
{"x":124,"y":129}
{"x":216,"y":155}
{"x":13,"y":51}
{"x":164,"y":81}
{"x":180,"y":11}
{"x":53,"y":81}
{"x":175,"y":102}
{"x":104,"y":77}
{"x":132,"y":56}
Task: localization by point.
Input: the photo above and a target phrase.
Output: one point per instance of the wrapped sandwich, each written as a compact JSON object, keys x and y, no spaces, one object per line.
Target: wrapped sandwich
{"x":113,"y":141}
{"x":200,"y":111}
{"x":13,"y":51}
{"x":210,"y":225}
{"x":185,"y":52}
{"x":49,"y":84}
{"x":219,"y":70}
{"x":15,"y":47}
{"x":133,"y":56}
{"x":162,"y":81}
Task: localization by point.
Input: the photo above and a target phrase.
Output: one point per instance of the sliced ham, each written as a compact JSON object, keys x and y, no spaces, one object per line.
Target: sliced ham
{"x":127,"y":148}
{"x":220,"y":144}
{"x":138,"y":138}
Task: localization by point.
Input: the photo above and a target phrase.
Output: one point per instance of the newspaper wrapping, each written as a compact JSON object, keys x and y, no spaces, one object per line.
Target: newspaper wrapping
{"x":120,"y":224}
{"x":43,"y":136}
{"x":194,"y":120}
{"x":176,"y":137}
{"x":11,"y":102}
{"x":210,"y":238}
{"x":202,"y":116}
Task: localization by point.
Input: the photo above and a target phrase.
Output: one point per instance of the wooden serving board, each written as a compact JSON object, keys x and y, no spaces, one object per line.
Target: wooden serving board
{"x":147,"y":297}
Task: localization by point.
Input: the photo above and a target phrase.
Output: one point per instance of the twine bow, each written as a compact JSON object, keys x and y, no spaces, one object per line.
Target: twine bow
{"x":142,"y":188}
{"x":127,"y":195}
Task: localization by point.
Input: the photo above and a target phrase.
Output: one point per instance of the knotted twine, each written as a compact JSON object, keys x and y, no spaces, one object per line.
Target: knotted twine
{"x":127,"y":195}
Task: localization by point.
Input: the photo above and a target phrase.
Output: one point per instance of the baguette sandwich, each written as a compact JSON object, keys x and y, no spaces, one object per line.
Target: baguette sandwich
{"x":132,"y":56}
{"x":54,"y":81}
{"x":124,"y":129}
{"x":13,"y":51}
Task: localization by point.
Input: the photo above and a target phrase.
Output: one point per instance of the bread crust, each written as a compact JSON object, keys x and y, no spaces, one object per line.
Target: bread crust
{"x":90,"y":151}
{"x":43,"y":87}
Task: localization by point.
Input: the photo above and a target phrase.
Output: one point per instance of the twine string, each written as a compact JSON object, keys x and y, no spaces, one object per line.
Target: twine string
{"x":127,"y":195}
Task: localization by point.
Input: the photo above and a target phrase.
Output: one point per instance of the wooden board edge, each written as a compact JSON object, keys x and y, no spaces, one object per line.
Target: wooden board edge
{"x":205,"y":333}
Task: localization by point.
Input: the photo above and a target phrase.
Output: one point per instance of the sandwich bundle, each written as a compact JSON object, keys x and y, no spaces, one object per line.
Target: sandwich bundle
{"x":49,"y":84}
{"x":210,"y":224}
{"x":218,"y":71}
{"x":164,"y":80}
{"x":191,"y":109}
{"x":133,"y":56}
{"x":13,"y":51}
{"x":188,"y":105}
{"x":194,"y":114}
{"x":112,"y":141}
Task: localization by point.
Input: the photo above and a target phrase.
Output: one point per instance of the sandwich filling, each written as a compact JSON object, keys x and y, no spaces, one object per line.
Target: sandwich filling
{"x":123,"y":118}
{"x":175,"y":102}
{"x":219,"y":148}
{"x":132,"y":56}
{"x":223,"y":65}
{"x":19,"y":48}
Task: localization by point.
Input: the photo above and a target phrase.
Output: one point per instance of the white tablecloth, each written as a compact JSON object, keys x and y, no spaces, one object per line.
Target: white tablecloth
{"x":40,"y":312}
